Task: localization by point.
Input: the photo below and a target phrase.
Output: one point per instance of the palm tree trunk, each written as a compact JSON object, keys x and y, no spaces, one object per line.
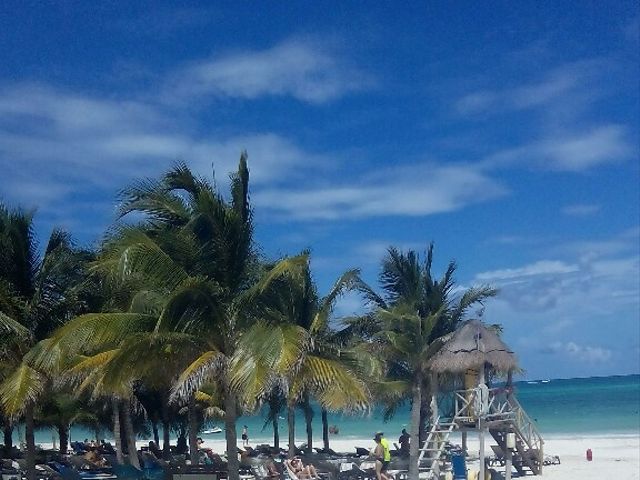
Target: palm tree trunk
{"x":8,"y":438}
{"x":30,"y":439}
{"x":325,"y":429}
{"x":308,"y":419}
{"x":117,"y":434}
{"x":276,"y":432}
{"x":131,"y":437}
{"x":63,"y":434}
{"x":166,"y":445}
{"x":156,"y":434}
{"x":415,"y":427}
{"x":291,"y":422}
{"x":231,"y":434}
{"x":193,"y":431}
{"x":425,"y":413}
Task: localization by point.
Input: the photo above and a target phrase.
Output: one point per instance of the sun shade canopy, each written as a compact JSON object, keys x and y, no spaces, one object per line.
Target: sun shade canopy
{"x":470,"y":347}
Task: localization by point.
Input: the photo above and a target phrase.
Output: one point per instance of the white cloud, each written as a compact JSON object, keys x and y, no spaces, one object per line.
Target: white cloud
{"x":624,"y":243}
{"x":553,"y":86}
{"x":415,"y":190}
{"x":301,"y":69}
{"x":542,"y":267}
{"x":571,"y":153}
{"x":78,"y":144}
{"x":581,"y":210}
{"x":584,"y":353}
{"x":597,"y":281}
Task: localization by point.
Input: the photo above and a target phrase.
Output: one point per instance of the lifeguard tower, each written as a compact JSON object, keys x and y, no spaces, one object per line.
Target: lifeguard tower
{"x":475,"y":352}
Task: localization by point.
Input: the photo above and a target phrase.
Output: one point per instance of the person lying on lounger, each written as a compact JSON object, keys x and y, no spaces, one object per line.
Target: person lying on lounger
{"x":302,"y":471}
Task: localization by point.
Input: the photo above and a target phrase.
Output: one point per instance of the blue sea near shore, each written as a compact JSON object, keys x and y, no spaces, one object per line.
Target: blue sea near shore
{"x":598,"y":405}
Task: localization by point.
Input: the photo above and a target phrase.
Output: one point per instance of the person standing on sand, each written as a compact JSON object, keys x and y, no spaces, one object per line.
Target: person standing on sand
{"x":382,"y":454}
{"x":245,"y":436}
{"x":404,"y":443}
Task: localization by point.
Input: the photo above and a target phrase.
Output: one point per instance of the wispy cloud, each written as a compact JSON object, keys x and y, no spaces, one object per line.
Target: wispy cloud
{"x":589,"y":284}
{"x":388,"y":192}
{"x":585,"y":353}
{"x":80,"y":144}
{"x":542,"y":267}
{"x":622,"y":244}
{"x":302,"y":69}
{"x":581,"y":210}
{"x":570,"y":153}
{"x":552,"y":86}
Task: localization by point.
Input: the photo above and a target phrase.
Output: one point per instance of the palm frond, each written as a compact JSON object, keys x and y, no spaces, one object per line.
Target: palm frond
{"x":20,"y":389}
{"x":347,"y":281}
{"x":152,"y":198}
{"x":335,"y":387}
{"x":94,"y":331}
{"x":202,"y":370}
{"x":9,"y":326}
{"x":471,"y":297}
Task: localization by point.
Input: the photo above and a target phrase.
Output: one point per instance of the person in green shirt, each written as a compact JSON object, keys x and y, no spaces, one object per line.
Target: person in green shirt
{"x":382,"y":454}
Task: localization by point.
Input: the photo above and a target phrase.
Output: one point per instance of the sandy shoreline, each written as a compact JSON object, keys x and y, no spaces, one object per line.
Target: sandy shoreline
{"x":615,"y":456}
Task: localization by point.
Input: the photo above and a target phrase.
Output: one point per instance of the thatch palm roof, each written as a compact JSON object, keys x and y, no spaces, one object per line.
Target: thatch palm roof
{"x":470,"y":347}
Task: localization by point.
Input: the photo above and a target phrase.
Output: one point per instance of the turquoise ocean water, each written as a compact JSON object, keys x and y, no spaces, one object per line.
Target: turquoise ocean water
{"x":598,"y":405}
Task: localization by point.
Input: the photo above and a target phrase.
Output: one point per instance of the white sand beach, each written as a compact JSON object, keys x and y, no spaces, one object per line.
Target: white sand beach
{"x":615,"y":456}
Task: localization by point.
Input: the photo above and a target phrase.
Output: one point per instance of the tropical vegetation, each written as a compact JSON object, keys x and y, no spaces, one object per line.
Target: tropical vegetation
{"x":176,"y":319}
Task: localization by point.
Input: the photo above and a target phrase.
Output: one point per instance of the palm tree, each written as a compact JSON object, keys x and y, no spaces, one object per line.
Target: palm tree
{"x":194,"y":257}
{"x":414,"y":314}
{"x":62,"y":409}
{"x":37,"y":293}
{"x":326,"y":369}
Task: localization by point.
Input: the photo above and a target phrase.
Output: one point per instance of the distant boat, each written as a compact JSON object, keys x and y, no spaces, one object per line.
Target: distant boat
{"x":545,"y":381}
{"x":213,"y":430}
{"x":532,"y":383}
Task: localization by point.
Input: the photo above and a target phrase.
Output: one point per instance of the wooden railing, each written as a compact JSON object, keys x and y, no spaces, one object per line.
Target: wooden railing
{"x":528,"y":431}
{"x":503,"y":412}
{"x":466,"y":405}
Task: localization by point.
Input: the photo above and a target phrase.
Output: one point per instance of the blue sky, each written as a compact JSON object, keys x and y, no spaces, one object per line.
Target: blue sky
{"x":505,"y":132}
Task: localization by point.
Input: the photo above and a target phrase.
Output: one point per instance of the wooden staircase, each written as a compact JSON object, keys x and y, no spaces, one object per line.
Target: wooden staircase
{"x":433,"y":448}
{"x":504,"y":415}
{"x":528,"y":452}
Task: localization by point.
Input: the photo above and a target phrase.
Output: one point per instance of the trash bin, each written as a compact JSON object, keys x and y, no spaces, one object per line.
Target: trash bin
{"x":459,"y":466}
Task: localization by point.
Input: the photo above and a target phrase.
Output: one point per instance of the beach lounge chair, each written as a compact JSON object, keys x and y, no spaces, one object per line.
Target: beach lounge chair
{"x":266,"y":471}
{"x":357,"y":472}
{"x":362,"y":452}
{"x":78,"y":448}
{"x":498,"y":456}
{"x":551,"y":460}
{"x":288,"y":473}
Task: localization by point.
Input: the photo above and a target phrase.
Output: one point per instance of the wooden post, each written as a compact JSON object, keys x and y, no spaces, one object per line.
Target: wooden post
{"x":434,"y":398}
{"x":508,"y":451}
{"x":507,"y":464}
{"x":481,"y":427}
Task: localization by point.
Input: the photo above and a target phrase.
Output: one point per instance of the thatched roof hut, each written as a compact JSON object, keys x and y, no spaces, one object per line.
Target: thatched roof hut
{"x":470,"y":347}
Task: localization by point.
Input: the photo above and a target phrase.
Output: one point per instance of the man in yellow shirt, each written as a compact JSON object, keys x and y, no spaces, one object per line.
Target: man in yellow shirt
{"x":382,"y":453}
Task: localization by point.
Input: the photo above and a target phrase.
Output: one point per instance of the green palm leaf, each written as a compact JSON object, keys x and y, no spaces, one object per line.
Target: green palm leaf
{"x":21,"y":388}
